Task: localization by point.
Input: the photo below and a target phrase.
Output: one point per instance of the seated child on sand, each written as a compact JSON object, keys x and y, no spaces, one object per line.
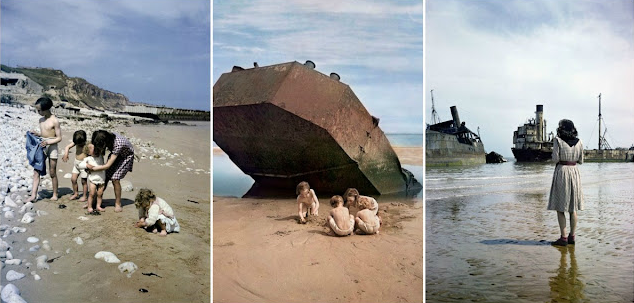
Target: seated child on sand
{"x":340,"y":220}
{"x":79,"y":141}
{"x":96,"y":179}
{"x":368,"y":222}
{"x":306,"y":198}
{"x":356,"y":201}
{"x":154,"y":213}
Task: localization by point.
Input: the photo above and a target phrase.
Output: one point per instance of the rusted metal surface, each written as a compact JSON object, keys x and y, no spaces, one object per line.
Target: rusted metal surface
{"x":287,"y":123}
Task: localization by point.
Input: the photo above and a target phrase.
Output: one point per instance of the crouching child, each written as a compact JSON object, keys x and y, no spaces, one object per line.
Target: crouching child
{"x":154,"y":213}
{"x":340,"y":220}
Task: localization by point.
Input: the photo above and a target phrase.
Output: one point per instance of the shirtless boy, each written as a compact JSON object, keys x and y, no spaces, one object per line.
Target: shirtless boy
{"x":51,"y":134}
{"x":367,"y":222}
{"x":306,"y":198}
{"x":340,"y":220}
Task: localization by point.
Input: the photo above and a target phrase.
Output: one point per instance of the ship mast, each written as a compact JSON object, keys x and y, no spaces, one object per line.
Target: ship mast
{"x":603,"y":143}
{"x":434,"y":115}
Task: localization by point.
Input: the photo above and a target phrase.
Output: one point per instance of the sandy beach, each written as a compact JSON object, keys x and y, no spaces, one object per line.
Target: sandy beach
{"x":174,"y":162}
{"x":261,"y":253}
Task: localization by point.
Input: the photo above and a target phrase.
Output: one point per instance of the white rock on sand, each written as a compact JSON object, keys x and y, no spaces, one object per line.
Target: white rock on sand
{"x":13,"y":275}
{"x":107,"y":256}
{"x":128,"y":267}
{"x":11,"y":294}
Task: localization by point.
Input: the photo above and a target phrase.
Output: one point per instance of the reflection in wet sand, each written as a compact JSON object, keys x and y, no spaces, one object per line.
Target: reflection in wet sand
{"x":566,"y":286}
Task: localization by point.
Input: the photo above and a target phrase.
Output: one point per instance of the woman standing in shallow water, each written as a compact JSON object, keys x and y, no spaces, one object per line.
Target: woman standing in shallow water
{"x":119,"y":161}
{"x":565,"y":191}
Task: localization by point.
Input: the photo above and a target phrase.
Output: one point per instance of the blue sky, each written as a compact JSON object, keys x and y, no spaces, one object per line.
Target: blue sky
{"x":496,"y":60}
{"x":153,"y":51}
{"x":375,"y":46}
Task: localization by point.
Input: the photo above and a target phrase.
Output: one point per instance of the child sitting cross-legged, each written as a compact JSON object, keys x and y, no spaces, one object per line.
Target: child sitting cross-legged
{"x":340,"y":220}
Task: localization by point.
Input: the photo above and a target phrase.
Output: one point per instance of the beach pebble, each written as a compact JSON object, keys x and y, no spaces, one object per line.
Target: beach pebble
{"x":13,"y":262}
{"x":68,"y":176}
{"x":17,"y":229}
{"x":9,"y":215}
{"x":78,"y":240}
{"x":13,"y":275}
{"x":128,"y":267}
{"x":126,"y":185}
{"x":32,"y":240}
{"x":82,"y":218}
{"x":27,"y":218}
{"x":36,"y":277}
{"x":107,"y":256}
{"x":11,"y":294}
{"x":26,"y":207}
{"x":45,"y":245}
{"x":4,"y":227}
{"x":34,"y":248}
{"x":4,"y":246}
{"x":41,"y":262}
{"x":8,"y":255}
{"x":9,"y":202}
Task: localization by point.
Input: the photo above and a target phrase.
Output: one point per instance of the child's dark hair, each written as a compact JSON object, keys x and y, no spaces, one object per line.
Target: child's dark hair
{"x":102,"y":140}
{"x":350,"y":192}
{"x":301,"y":186}
{"x":45,"y":103}
{"x":79,"y":137}
{"x":336,"y":200}
{"x":144,"y":198}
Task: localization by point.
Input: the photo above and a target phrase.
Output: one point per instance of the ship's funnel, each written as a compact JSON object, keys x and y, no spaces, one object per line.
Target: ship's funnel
{"x":454,"y":115}
{"x":539,"y":121}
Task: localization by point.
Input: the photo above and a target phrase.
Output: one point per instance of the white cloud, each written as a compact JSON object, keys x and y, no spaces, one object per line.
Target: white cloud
{"x":496,"y":77}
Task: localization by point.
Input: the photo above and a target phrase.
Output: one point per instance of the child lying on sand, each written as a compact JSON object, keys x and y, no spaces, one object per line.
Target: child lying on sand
{"x":154,"y":213}
{"x":306,"y":198}
{"x":340,"y":220}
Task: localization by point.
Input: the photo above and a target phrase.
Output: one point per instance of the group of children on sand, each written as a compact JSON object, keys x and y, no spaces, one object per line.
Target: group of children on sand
{"x":89,"y":167}
{"x":340,"y":221}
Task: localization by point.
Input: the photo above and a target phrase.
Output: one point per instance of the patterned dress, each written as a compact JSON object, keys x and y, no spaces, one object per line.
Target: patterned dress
{"x":565,"y":191}
{"x":125,"y":157}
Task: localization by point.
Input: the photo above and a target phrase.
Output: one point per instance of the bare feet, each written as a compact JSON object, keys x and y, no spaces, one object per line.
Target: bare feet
{"x":82,"y":199}
{"x":154,"y":230}
{"x":85,"y":206}
{"x":53,"y":198}
{"x":101,"y":209}
{"x":90,"y":209}
{"x":163,"y":233}
{"x":73,"y":197}
{"x":31,"y":199}
{"x":118,"y":209}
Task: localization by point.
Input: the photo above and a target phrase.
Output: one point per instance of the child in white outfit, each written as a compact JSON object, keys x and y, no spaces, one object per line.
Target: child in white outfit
{"x":79,"y":141}
{"x":154,"y":213}
{"x":95,"y":178}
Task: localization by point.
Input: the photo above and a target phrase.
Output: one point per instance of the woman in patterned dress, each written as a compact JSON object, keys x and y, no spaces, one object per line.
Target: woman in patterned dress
{"x":119,"y":161}
{"x":565,"y":191}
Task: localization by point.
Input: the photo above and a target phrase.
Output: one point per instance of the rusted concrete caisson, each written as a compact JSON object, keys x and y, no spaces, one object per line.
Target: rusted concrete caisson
{"x":287,"y":123}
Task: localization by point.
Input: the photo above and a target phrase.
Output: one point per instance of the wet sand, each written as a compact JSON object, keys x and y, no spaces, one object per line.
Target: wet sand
{"x":261,"y":254}
{"x":495,"y":247}
{"x":182,"y":260}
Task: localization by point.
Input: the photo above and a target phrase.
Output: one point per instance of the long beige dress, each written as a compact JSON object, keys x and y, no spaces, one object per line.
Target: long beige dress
{"x":565,"y":191}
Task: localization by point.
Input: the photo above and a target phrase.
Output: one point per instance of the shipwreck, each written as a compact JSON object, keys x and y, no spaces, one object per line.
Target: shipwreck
{"x":287,"y":123}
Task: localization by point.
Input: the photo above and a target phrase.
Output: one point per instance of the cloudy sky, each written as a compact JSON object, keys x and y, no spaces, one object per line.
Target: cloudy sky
{"x":496,"y":60}
{"x":375,"y":46}
{"x":153,"y":51}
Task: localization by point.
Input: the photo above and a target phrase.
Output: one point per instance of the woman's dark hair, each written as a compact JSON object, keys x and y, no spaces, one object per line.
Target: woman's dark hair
{"x":102,"y":139}
{"x":79,"y":137}
{"x":45,"y":103}
{"x":566,"y":130}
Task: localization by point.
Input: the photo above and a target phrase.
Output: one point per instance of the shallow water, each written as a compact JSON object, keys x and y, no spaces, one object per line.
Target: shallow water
{"x":488,"y":235}
{"x":230,"y":181}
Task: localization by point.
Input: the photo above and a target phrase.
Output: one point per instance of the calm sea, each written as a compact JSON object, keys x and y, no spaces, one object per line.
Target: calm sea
{"x":230,"y":181}
{"x":488,"y":234}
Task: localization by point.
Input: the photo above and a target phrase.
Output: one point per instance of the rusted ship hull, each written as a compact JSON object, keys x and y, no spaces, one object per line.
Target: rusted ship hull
{"x":287,"y":123}
{"x":531,"y":155}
